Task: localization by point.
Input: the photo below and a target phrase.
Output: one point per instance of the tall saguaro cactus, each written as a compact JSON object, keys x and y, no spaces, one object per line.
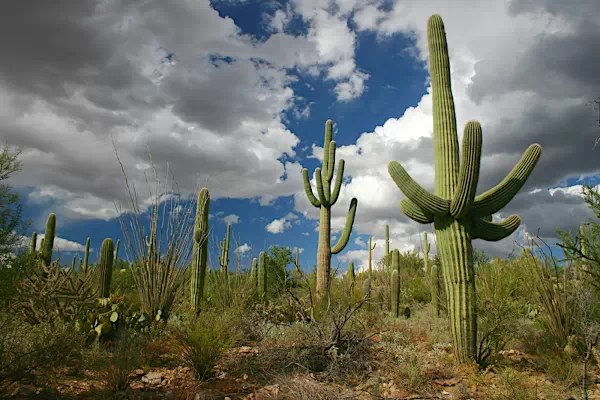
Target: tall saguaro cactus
{"x":200,"y":249}
{"x":387,"y":240}
{"x":458,"y":215}
{"x":254,"y":272}
{"x":105,"y":264}
{"x":395,"y":283}
{"x":426,"y":248}
{"x":224,"y":256}
{"x":328,"y":198}
{"x":33,"y":243}
{"x":371,"y":248}
{"x":48,"y":242}
{"x":351,"y":272}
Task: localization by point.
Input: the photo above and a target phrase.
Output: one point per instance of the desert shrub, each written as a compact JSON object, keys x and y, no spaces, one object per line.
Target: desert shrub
{"x":116,"y":361}
{"x":234,"y":291}
{"x":498,"y":309}
{"x":415,"y":290}
{"x":201,"y":340}
{"x":24,"y":347}
{"x":122,"y":281}
{"x":561,"y":368}
{"x":512,"y":384}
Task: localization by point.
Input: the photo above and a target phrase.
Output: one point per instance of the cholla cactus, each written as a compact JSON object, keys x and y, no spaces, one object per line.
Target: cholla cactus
{"x":328,"y":198}
{"x":458,"y":215}
{"x":198,"y":270}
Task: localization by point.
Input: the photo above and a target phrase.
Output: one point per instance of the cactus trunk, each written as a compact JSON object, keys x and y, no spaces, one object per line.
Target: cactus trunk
{"x":262,"y":276}
{"x":200,"y":249}
{"x":86,"y":256}
{"x":224,"y":256}
{"x":351,"y":272}
{"x":459,"y":216}
{"x":254,"y":273}
{"x":395,"y":283}
{"x":371,"y":248}
{"x":105,"y":265}
{"x":33,"y":244}
{"x":387,"y":240}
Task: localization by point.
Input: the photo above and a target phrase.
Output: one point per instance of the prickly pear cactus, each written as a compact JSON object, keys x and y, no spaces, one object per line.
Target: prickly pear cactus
{"x":458,"y":215}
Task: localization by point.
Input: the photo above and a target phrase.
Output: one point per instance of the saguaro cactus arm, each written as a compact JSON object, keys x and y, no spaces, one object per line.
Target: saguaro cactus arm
{"x":428,"y":202}
{"x":494,"y":231}
{"x":323,"y":198}
{"x":308,"y":189}
{"x":338,"y":183}
{"x":496,"y":198}
{"x":414,"y":212}
{"x":469,"y":171}
{"x":343,"y":240}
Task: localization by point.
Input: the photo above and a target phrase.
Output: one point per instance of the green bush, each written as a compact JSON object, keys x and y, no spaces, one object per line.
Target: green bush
{"x":202,"y":340}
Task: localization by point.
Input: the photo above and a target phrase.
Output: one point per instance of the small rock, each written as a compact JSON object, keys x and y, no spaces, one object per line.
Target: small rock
{"x":152,"y":378}
{"x":139,"y":372}
{"x":245,"y":377}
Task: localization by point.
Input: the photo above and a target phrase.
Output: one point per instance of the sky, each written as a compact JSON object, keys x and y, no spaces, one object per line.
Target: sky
{"x":234,"y":95}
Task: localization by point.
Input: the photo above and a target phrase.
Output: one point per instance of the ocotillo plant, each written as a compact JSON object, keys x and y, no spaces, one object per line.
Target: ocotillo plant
{"x":458,"y":215}
{"x":262,"y":276}
{"x":371,"y":248}
{"x":200,"y":249}
{"x":395,"y":283}
{"x":224,"y":256}
{"x":328,"y":198}
{"x":426,"y":248}
{"x":48,"y":242}
{"x":33,"y":244}
{"x":435,"y":290}
{"x":351,"y":272}
{"x":105,"y":264}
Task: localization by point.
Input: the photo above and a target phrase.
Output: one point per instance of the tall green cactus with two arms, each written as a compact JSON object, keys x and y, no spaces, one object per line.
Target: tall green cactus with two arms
{"x":224,"y":256}
{"x":458,"y":215}
{"x":200,"y":249}
{"x":328,"y":198}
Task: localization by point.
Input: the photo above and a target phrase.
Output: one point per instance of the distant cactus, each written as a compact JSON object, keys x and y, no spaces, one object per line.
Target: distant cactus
{"x":73,"y":264}
{"x":328,"y":198}
{"x":254,"y":272}
{"x":371,"y":248}
{"x":297,"y":261}
{"x":200,"y":249}
{"x":33,"y":244}
{"x":458,"y":215}
{"x":435,"y":290}
{"x":351,"y":272}
{"x":426,"y":248}
{"x":224,"y":256}
{"x":48,"y":242}
{"x":86,"y":257}
{"x":395,"y":283}
{"x":366,"y":289}
{"x":105,"y":264}
{"x":262,"y":276}
{"x":387,"y":240}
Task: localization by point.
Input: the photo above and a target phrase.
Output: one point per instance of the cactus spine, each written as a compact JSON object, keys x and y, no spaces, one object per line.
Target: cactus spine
{"x":224,"y":257}
{"x":371,"y":248}
{"x":262,"y":276}
{"x":351,"y":272}
{"x":33,"y":244}
{"x":458,"y":215}
{"x":105,"y":265}
{"x":395,"y":283}
{"x":426,"y":248}
{"x":200,"y":249}
{"x":48,"y":242}
{"x":328,"y":198}
{"x":435,"y":290}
